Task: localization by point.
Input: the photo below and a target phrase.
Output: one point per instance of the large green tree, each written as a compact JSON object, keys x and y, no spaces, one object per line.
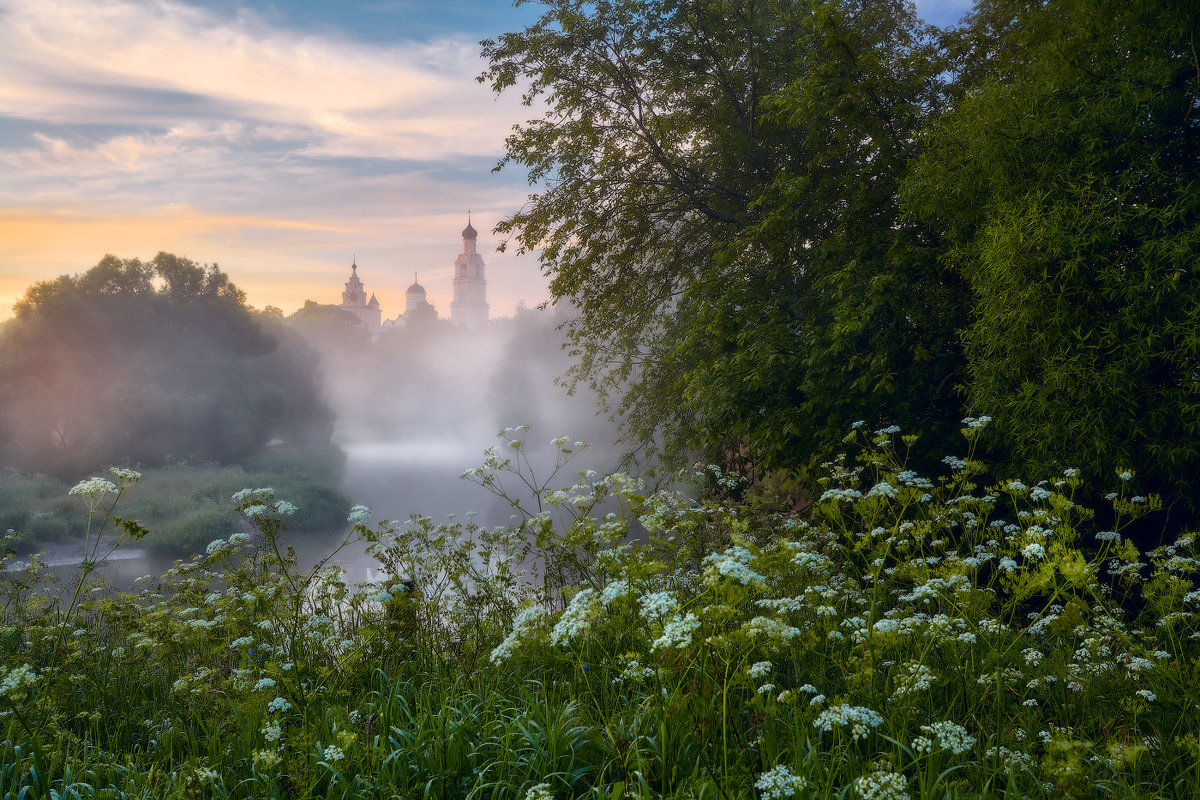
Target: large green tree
{"x":718,"y":204}
{"x":145,"y":362}
{"x":1066,"y":180}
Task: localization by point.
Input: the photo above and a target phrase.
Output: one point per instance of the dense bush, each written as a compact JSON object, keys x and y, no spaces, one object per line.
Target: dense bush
{"x":909,"y":637}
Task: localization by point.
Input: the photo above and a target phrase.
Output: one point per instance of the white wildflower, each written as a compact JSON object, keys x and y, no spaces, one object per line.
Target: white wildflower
{"x":860,"y":720}
{"x":272,"y":731}
{"x":882,"y":785}
{"x":759,"y":669}
{"x":658,"y":606}
{"x":677,"y":633}
{"x":576,"y":619}
{"x":779,"y":783}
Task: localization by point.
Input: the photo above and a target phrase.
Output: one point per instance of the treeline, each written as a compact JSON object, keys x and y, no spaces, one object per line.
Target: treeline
{"x":778,"y":218}
{"x":150,"y":363}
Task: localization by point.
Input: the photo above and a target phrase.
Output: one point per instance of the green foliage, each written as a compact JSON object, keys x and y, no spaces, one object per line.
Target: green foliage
{"x":909,"y":637}
{"x":721,"y":214}
{"x":149,"y":363}
{"x":186,"y":506}
{"x":1065,"y":179}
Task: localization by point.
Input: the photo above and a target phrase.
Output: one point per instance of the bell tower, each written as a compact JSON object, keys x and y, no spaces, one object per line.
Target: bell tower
{"x":469,"y":307}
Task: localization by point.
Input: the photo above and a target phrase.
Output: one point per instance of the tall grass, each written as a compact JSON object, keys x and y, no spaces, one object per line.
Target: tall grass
{"x":905,"y":637}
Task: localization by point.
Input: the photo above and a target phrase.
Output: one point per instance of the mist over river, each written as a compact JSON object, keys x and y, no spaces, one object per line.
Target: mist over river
{"x":413,"y":411}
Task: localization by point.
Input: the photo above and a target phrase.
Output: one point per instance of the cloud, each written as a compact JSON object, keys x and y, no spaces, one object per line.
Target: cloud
{"x":147,"y":125}
{"x":136,"y":62}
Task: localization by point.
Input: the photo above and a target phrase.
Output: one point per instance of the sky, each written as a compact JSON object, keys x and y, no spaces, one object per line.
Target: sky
{"x":280,"y":140}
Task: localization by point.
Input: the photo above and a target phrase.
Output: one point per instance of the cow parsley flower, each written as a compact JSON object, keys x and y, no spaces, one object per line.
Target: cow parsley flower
{"x":539,"y":791}
{"x":882,"y":785}
{"x":779,"y":783}
{"x":951,"y":736}
{"x":279,"y":706}
{"x":17,"y":678}
{"x":759,"y":669}
{"x":272,"y":731}
{"x":860,"y":720}
{"x":1034,"y":551}
{"x":264,"y":683}
{"x":93,"y":488}
{"x":658,"y":606}
{"x":576,"y":619}
{"x":677,"y":633}
{"x":333,"y":753}
{"x":125,"y":477}
{"x":358,"y":515}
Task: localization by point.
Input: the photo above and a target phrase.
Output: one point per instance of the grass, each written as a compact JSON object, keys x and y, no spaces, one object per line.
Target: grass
{"x":905,"y":637}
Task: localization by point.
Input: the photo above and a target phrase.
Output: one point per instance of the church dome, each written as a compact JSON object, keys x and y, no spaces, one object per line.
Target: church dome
{"x":469,"y":232}
{"x":416,"y":288}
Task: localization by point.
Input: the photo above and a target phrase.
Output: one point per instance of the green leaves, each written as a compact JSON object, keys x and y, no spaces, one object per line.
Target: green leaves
{"x":1065,"y":181}
{"x":720,"y":210}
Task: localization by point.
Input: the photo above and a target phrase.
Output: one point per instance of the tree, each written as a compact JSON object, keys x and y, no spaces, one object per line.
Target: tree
{"x":721,"y":212}
{"x":1066,"y":180}
{"x":144,"y":362}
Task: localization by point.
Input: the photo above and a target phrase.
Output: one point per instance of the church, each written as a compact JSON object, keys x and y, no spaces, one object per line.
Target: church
{"x":468,"y":309}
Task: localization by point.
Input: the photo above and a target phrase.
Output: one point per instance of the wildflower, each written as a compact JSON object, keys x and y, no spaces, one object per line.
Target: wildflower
{"x":264,"y":683}
{"x":241,"y":642}
{"x":779,"y":783}
{"x":285,"y":509}
{"x":859,"y":719}
{"x":916,"y":678}
{"x":1108,"y":536}
{"x":576,"y":619}
{"x":93,"y":488}
{"x":279,"y":706}
{"x":125,"y":477}
{"x":759,"y":669}
{"x":882,"y":489}
{"x":1126,"y":475}
{"x":677,"y":633}
{"x":1034,"y":551}
{"x":613,"y":591}
{"x":265,"y":759}
{"x":255,"y":511}
{"x":658,"y":605}
{"x":766,"y":688}
{"x":17,"y":678}
{"x":333,"y":753}
{"x":882,"y":785}
{"x":733,"y":563}
{"x":771,"y":629}
{"x":272,"y":731}
{"x":540,"y":791}
{"x":206,"y":774}
{"x":524,"y":620}
{"x":1146,"y":695}
{"x":359,"y":515}
{"x":951,"y":736}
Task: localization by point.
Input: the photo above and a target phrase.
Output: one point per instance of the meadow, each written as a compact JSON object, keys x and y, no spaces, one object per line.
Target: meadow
{"x":903,"y":636}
